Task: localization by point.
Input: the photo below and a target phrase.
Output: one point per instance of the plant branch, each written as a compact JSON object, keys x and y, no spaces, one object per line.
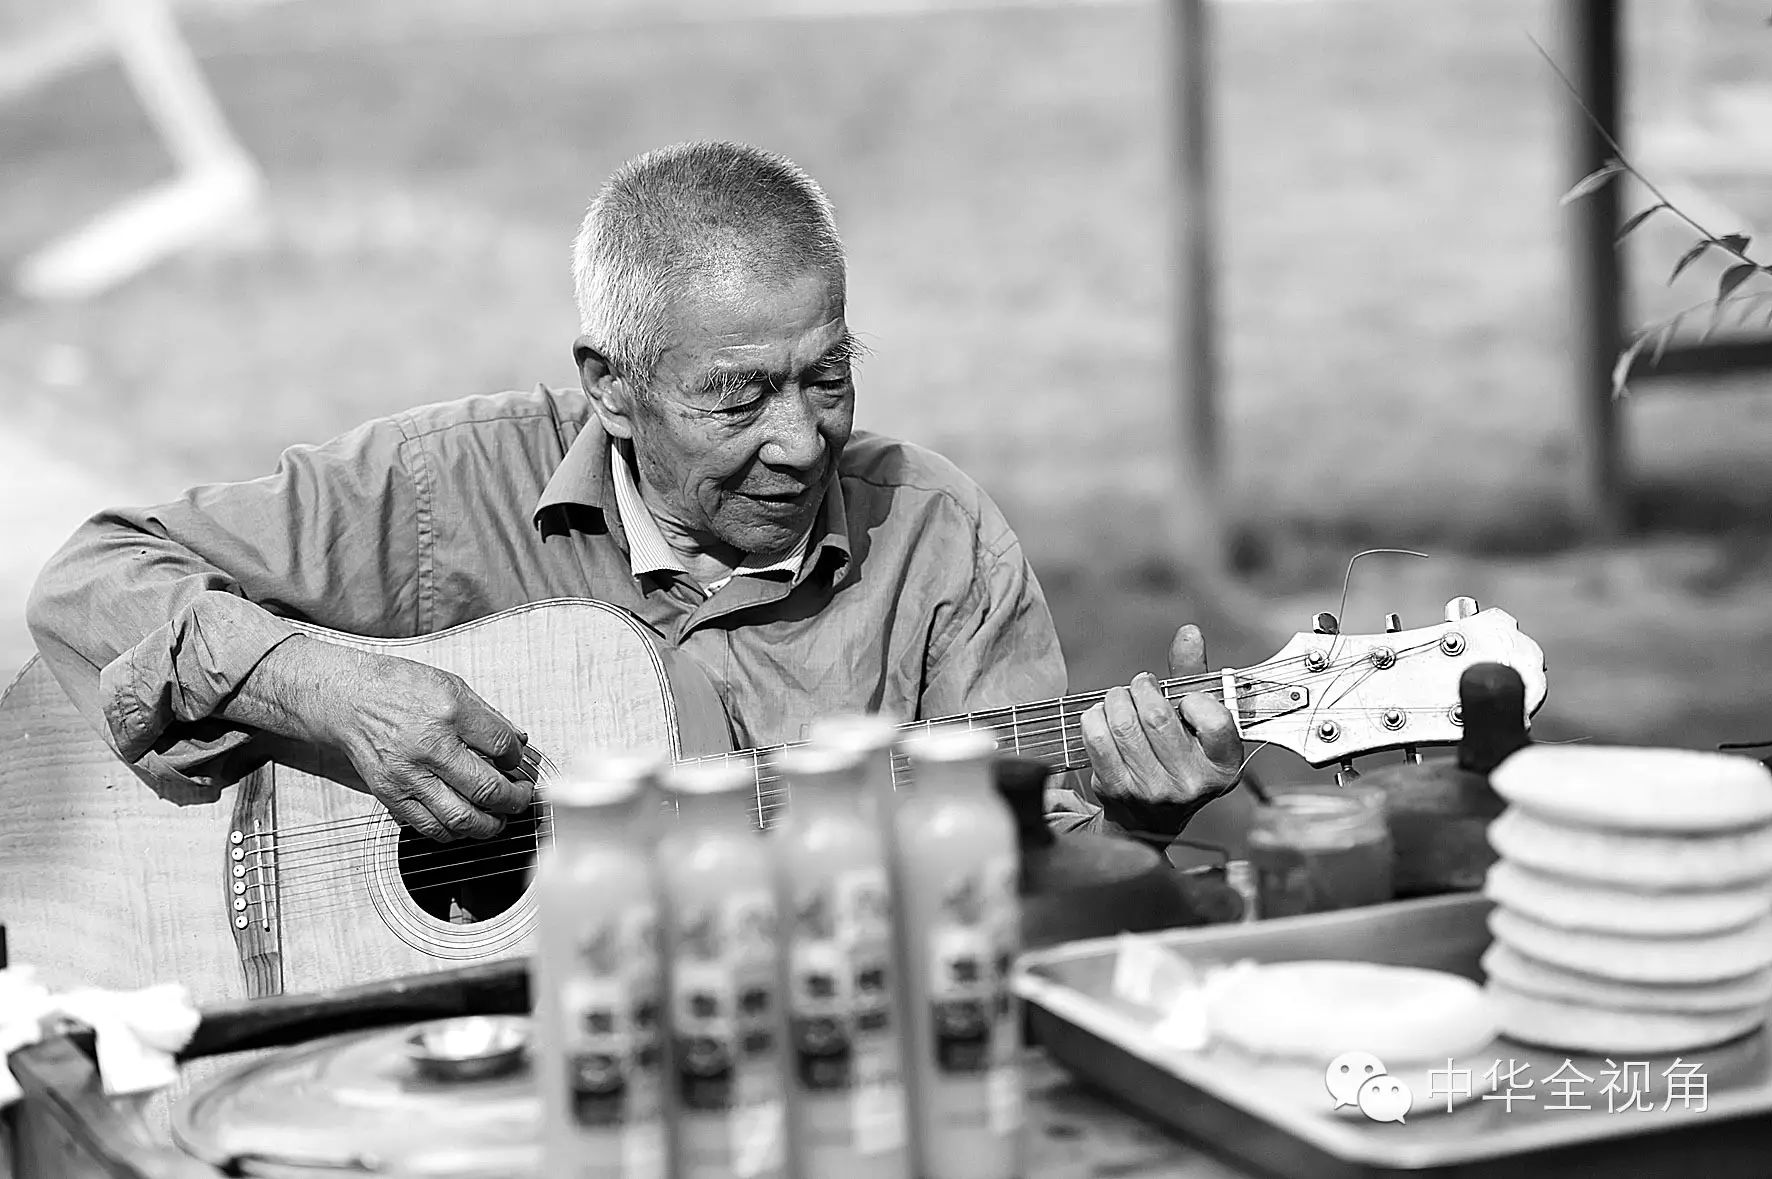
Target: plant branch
{"x":1623,"y":161}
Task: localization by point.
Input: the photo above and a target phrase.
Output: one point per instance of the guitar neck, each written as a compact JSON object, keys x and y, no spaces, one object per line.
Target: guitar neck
{"x":1050,"y":731}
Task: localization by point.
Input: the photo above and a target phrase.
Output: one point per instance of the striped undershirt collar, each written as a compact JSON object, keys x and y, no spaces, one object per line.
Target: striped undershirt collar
{"x":650,"y":552}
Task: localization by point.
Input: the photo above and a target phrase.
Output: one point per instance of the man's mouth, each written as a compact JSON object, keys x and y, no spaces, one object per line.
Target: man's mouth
{"x":782,"y":497}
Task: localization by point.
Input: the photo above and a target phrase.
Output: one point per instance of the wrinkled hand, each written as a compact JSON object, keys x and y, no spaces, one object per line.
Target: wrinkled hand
{"x":424,"y":744}
{"x":1154,"y":767}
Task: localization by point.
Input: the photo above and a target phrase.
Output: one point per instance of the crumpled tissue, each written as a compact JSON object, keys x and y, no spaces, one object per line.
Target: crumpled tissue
{"x":1181,"y":992}
{"x":138,"y":1033}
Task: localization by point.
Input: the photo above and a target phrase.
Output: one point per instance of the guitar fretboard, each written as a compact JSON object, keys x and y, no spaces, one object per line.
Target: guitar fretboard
{"x":1050,"y":731}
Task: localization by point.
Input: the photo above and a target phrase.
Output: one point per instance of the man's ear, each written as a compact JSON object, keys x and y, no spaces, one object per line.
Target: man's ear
{"x":610,"y":393}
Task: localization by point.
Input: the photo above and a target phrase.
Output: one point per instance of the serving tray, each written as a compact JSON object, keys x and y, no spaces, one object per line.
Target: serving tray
{"x":1709,"y":1114}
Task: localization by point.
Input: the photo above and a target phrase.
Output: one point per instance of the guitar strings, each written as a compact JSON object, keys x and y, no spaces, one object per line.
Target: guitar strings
{"x":302,"y":854}
{"x":1045,"y":728}
{"x":355,"y":833}
{"x":318,"y":859}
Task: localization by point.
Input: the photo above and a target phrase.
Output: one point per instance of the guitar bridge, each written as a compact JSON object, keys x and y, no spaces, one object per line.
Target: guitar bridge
{"x":251,"y":885}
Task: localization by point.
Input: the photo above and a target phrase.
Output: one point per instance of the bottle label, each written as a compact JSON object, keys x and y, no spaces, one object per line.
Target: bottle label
{"x":611,"y":1005}
{"x":725,"y":1004}
{"x":971,"y":949}
{"x":841,"y":991}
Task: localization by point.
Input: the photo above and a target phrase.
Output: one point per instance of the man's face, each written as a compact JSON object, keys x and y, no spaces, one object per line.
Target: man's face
{"x":750,"y":407}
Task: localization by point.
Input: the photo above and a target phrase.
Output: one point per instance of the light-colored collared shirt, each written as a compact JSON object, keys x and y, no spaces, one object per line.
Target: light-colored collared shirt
{"x":650,"y":552}
{"x":913,"y":596}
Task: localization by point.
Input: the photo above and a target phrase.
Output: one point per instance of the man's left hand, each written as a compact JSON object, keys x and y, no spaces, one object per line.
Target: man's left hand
{"x":1154,"y":769}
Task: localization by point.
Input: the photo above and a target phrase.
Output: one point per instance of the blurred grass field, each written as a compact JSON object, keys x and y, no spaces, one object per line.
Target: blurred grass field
{"x":1395,"y":309}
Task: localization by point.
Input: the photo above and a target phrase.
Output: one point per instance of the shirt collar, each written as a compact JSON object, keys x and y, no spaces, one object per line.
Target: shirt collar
{"x":650,"y":552}
{"x":586,"y":477}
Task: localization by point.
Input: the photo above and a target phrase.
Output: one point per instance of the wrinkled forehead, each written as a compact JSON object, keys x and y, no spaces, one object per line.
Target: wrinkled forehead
{"x":769,"y":320}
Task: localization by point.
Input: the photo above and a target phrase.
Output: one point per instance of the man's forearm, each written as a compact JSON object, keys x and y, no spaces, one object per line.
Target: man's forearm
{"x":286,"y":693}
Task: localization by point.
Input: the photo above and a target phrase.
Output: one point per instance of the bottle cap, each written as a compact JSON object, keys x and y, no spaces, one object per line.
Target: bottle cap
{"x":604,"y":777}
{"x":866,"y":732}
{"x":1022,"y":783}
{"x":949,"y":743}
{"x":715,"y":776}
{"x":818,"y":760}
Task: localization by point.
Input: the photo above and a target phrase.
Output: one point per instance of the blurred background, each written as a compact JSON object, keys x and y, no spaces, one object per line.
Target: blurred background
{"x":1394,"y":327}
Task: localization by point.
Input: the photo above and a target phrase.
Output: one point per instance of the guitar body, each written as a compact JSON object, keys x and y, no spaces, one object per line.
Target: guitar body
{"x":294,"y":879}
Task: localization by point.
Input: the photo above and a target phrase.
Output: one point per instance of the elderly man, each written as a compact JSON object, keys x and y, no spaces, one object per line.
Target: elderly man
{"x":705,"y":477}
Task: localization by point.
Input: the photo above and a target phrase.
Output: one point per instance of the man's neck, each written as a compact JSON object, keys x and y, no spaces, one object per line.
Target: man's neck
{"x":708,"y":559}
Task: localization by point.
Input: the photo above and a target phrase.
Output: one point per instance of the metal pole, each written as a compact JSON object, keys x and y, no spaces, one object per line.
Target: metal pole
{"x":1194,"y":205}
{"x":1591,"y":51}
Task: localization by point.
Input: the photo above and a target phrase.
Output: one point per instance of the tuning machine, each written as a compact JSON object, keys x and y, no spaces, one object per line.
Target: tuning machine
{"x":1325,"y":623}
{"x":1347,"y":773}
{"x":1460,"y":608}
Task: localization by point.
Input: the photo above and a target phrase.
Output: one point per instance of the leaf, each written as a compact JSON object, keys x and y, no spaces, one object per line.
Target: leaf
{"x":1734,"y":277}
{"x":1631,"y":225}
{"x":1621,"y":369}
{"x":1713,"y":323}
{"x":1734,"y":242}
{"x":1664,"y":335}
{"x":1749,"y":303}
{"x":1688,"y":258}
{"x":1593,"y":182}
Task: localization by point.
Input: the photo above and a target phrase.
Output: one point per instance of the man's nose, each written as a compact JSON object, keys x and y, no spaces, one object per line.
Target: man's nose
{"x":794,"y":440}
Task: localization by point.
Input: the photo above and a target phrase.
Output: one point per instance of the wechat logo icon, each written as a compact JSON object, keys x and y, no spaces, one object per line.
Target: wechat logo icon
{"x":1359,"y":1079}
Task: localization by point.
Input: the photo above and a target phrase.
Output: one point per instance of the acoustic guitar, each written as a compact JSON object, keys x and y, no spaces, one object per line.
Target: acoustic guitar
{"x":295,"y":879}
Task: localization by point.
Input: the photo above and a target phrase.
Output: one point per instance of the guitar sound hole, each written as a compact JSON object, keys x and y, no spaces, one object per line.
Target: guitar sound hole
{"x":470,"y":880}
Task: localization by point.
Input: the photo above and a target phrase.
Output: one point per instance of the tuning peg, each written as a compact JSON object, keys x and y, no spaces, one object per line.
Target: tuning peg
{"x":1325,"y":624}
{"x":1347,"y":773}
{"x":1459,"y":609}
{"x":1411,"y":755}
{"x":1392,"y":624}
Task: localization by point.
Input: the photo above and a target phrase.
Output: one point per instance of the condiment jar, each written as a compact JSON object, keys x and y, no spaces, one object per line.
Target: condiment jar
{"x":1318,"y":848}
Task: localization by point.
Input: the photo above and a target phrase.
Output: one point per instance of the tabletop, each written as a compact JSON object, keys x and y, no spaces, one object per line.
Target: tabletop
{"x":1075,"y":1133}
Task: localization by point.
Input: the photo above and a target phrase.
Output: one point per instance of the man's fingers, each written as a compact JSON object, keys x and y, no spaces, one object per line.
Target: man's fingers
{"x":1187,"y":652}
{"x":1214,"y":727}
{"x":409,"y":812}
{"x":484,"y":729}
{"x":459,"y":817}
{"x":1104,"y":752}
{"x":1127,"y":729}
{"x":1169,"y":741}
{"x":469,"y":776}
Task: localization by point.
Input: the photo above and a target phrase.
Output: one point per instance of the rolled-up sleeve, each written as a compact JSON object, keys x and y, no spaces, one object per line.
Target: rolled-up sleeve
{"x":999,"y":648}
{"x":151,"y":618}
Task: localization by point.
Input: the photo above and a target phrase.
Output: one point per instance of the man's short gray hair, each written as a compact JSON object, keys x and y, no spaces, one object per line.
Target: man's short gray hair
{"x":692,"y":212}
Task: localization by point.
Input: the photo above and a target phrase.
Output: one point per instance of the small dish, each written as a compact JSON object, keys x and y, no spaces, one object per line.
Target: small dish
{"x":472,"y":1048}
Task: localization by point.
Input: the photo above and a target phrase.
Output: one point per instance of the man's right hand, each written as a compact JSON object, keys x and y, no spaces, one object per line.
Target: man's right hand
{"x":421,"y":740}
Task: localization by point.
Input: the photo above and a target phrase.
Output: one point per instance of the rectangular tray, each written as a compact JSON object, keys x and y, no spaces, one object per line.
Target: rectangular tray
{"x":1106,"y":1043}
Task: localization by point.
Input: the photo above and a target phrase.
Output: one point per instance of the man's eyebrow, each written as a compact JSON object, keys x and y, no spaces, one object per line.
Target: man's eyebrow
{"x":723,"y":384}
{"x":848,"y":350}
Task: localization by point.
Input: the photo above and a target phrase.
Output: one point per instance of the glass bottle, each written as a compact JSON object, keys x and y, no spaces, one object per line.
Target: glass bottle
{"x":959,"y":867}
{"x":722,"y":930}
{"x":598,"y":984}
{"x":847,"y":1091}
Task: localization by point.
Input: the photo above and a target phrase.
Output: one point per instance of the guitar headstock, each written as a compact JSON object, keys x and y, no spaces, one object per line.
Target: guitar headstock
{"x":1330,"y":697}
